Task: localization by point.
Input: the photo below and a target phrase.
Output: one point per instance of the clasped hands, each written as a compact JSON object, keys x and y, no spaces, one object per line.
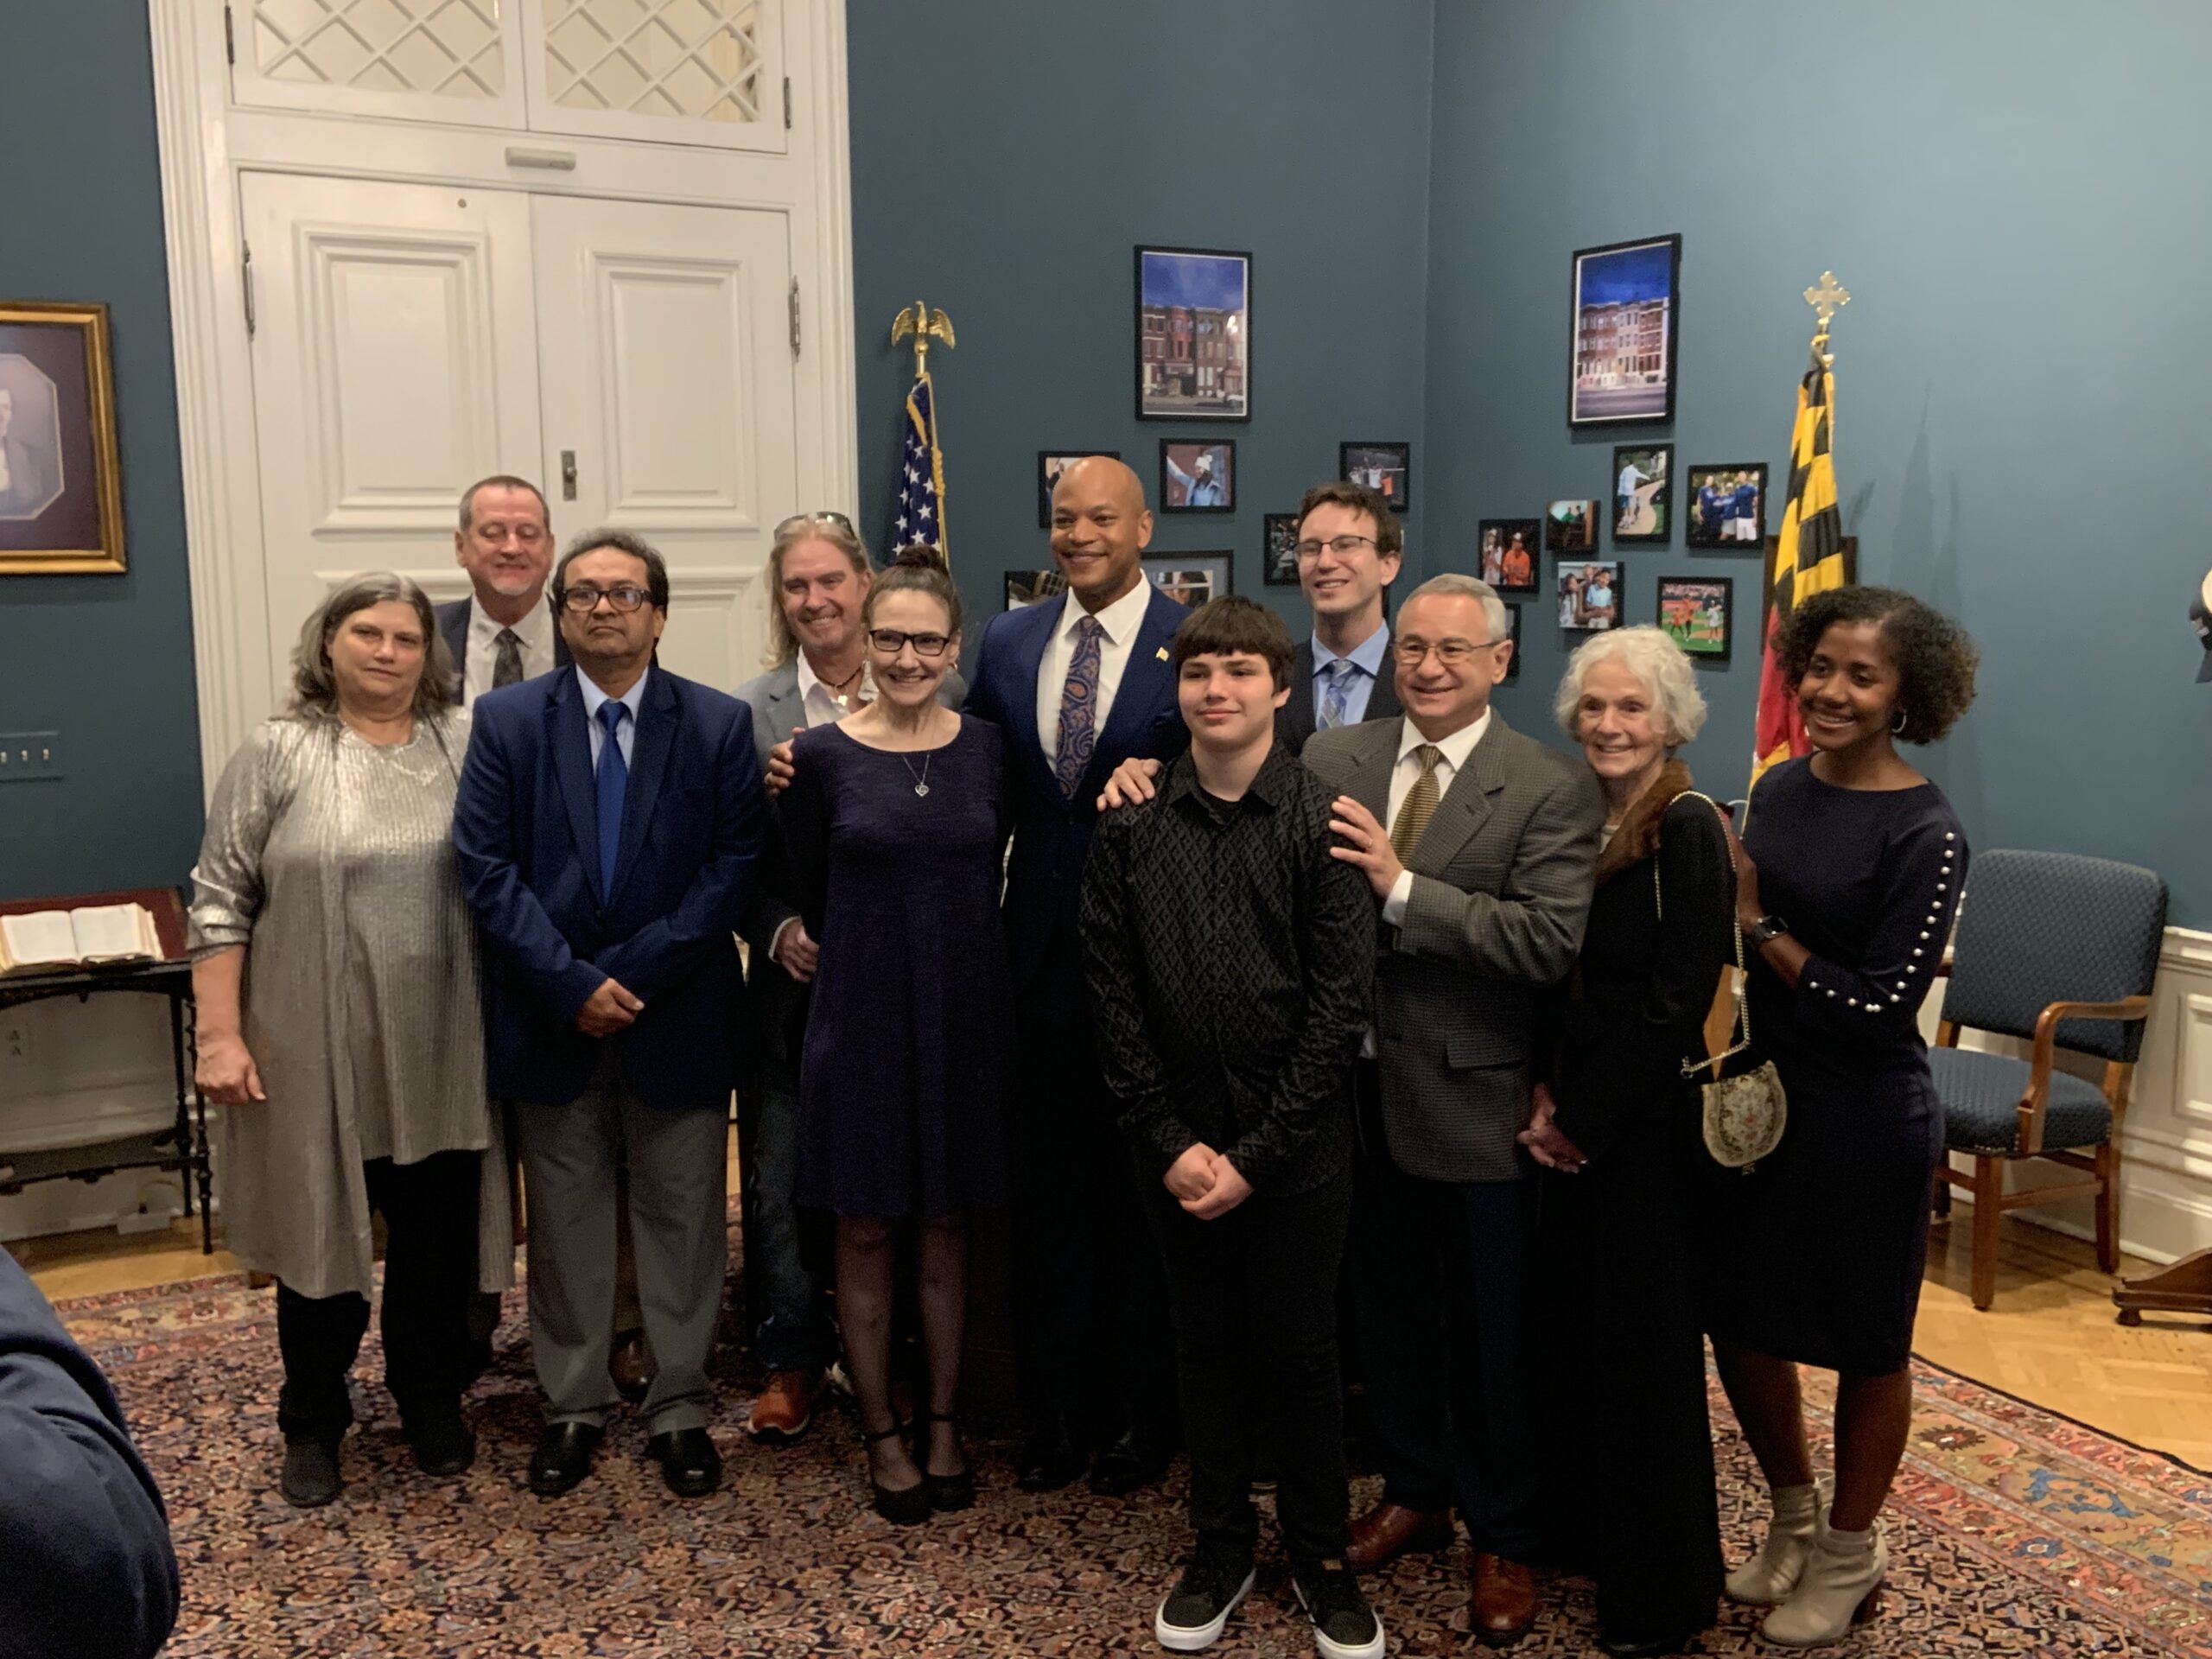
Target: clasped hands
{"x":1366,"y":844}
{"x":609,"y":1009}
{"x":1546,"y":1142}
{"x":1205,"y":1183}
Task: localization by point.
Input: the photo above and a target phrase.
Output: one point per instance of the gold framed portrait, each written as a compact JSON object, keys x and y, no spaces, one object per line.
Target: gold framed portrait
{"x":61,"y":474}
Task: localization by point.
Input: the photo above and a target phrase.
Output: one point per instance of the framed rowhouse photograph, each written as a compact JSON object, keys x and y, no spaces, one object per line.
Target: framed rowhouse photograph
{"x":1191,"y":578}
{"x":1590,"y":594}
{"x":1643,"y":493}
{"x":1571,"y":527}
{"x":1198,"y":477}
{"x":1050,"y":463}
{"x":1695,"y":613}
{"x":1386,"y":468}
{"x":1621,"y":343}
{"x":1507,"y":549}
{"x":61,"y":472}
{"x":1279,"y":550}
{"x":1194,"y":334}
{"x":1726,"y":507}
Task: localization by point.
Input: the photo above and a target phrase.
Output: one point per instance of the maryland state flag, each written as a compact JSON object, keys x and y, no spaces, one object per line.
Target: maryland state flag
{"x":1809,"y":557}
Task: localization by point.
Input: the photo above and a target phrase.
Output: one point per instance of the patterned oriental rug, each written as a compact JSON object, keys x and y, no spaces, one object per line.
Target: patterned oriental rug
{"x":2013,"y":1532}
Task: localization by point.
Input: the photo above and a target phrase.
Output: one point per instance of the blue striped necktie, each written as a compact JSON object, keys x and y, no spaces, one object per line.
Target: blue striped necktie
{"x":1336,"y":696}
{"x":614,"y":780}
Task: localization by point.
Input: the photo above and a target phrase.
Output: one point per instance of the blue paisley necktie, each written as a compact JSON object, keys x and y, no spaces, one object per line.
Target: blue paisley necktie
{"x":1336,"y":697}
{"x":1079,"y":709}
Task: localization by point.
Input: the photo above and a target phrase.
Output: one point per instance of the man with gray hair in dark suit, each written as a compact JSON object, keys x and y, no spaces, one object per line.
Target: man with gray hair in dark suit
{"x":1481,"y":846}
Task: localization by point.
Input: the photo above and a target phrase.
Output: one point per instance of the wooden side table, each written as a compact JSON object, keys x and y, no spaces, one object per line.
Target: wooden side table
{"x":2185,"y":1287}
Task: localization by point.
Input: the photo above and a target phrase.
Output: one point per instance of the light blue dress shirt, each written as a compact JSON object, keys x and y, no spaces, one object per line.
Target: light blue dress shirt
{"x":634,"y":700}
{"x":1367,"y":659}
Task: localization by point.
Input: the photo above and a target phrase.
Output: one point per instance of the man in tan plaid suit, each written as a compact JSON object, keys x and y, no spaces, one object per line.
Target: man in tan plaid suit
{"x":1480,"y":845}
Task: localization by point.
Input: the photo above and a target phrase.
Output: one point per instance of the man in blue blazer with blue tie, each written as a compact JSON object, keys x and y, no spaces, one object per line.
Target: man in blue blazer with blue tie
{"x":609,"y":822}
{"x":1078,"y":684}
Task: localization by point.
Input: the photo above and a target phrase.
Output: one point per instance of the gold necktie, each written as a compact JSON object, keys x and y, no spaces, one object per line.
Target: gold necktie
{"x":1420,"y":804}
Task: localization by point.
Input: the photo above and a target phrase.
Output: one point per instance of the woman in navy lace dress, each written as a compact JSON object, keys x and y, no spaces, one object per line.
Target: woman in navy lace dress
{"x":1852,"y":866}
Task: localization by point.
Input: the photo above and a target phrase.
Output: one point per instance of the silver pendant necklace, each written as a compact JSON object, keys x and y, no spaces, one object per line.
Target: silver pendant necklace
{"x":922,"y":782}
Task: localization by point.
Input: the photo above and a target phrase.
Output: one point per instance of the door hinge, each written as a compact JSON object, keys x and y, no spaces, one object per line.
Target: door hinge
{"x":787,"y":103}
{"x":246,"y":280}
{"x":794,"y":316}
{"x":230,"y":41}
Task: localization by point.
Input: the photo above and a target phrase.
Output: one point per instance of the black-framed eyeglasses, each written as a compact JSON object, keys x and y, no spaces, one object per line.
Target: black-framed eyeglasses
{"x":799,"y":518}
{"x":1342,"y":546}
{"x":1448,"y":652}
{"x":891,"y":641}
{"x":624,"y":597}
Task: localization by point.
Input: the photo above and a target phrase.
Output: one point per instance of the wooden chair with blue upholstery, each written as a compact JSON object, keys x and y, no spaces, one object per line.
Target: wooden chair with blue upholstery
{"x":2058,"y":951}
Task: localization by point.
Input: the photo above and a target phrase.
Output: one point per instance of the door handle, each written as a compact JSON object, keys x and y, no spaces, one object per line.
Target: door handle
{"x":568,"y":474}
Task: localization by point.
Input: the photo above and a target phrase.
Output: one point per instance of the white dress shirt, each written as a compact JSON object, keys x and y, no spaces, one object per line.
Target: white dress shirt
{"x":534,"y":632}
{"x":819,"y":704}
{"x":1455,"y":749}
{"x":625,"y":731}
{"x":1120,"y":621}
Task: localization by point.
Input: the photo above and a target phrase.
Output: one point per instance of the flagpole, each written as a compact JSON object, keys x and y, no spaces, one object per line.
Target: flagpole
{"x":924,"y":324}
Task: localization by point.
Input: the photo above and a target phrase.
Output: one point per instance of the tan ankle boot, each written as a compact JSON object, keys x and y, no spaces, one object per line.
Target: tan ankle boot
{"x":1840,"y":1587}
{"x":1770,"y":1575}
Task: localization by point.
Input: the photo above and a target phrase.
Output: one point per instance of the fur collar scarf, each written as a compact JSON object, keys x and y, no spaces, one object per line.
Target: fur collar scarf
{"x":1637,"y":838}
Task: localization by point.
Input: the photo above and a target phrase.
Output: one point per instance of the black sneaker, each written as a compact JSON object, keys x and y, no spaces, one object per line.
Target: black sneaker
{"x":1344,"y":1626}
{"x":1190,"y":1618}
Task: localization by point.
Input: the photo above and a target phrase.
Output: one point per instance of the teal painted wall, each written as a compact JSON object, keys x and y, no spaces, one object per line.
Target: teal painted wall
{"x":1008,"y":156}
{"x":2016,"y":195}
{"x":105,"y":660}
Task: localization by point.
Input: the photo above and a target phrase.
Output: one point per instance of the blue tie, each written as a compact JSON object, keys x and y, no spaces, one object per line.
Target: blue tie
{"x":1336,"y":696}
{"x":613,"y":783}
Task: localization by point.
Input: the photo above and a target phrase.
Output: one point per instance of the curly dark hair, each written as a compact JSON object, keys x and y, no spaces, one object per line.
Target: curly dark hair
{"x":1935,"y":659}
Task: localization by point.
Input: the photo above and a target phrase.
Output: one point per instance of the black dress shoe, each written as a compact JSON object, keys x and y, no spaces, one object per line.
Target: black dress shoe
{"x":1133,"y":1461}
{"x":1049,"y":1461}
{"x":947,"y":1493}
{"x":442,"y":1445}
{"x":1622,"y":1647}
{"x":688,"y":1462}
{"x":563,"y":1458}
{"x":311,"y":1479}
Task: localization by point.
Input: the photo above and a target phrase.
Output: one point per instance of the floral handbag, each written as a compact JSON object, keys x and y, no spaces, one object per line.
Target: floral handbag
{"x":1742,"y":1116}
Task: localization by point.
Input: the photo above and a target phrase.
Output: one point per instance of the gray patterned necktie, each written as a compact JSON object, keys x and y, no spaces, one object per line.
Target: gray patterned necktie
{"x":1336,"y":696}
{"x":506,"y":667}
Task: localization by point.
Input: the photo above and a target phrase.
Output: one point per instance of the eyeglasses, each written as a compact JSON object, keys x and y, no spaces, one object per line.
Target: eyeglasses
{"x":1448,"y":652}
{"x":890,"y":642}
{"x":584,"y":601}
{"x":1342,"y":546}
{"x":799,"y":518}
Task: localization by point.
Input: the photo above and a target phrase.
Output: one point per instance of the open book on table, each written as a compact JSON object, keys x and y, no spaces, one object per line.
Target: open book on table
{"x":94,"y":935}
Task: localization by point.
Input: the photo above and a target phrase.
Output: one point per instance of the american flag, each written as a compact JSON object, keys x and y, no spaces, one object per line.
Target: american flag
{"x":920,"y":515}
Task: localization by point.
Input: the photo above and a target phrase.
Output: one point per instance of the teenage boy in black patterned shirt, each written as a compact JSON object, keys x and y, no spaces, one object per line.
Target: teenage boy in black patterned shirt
{"x":1230,"y":963}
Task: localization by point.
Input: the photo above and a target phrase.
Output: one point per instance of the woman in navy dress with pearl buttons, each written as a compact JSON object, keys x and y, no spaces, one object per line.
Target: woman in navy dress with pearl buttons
{"x":1851,"y":867}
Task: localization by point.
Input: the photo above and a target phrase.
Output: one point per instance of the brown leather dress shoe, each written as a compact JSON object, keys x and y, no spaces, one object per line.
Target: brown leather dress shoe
{"x":628,"y":1368}
{"x":1388,"y":1530}
{"x":783,"y":1409}
{"x":1503,"y":1606}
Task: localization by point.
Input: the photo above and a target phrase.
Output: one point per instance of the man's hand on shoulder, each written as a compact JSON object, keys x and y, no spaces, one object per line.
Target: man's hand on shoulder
{"x":781,"y":769}
{"x":1131,"y":784}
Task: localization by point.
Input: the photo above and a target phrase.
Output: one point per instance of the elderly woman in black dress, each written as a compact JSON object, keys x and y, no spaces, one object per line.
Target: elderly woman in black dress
{"x":896,"y":819}
{"x":1851,"y":867}
{"x":1617,"y":1127}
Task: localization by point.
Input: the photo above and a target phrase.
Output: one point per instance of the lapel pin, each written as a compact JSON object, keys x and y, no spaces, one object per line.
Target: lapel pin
{"x":1162,"y":653}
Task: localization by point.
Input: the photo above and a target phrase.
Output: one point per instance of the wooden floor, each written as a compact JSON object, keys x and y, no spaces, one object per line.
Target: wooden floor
{"x":2050,"y":1338}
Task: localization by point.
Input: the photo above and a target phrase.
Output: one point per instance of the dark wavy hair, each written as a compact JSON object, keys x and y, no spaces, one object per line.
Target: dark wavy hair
{"x":622,"y":542}
{"x":1936,"y":658}
{"x":919,"y":568}
{"x":1234,"y":625}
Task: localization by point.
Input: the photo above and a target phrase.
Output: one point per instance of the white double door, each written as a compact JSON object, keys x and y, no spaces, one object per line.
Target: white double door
{"x":633,"y":359}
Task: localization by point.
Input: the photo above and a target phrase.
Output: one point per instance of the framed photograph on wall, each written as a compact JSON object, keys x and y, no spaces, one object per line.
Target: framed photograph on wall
{"x":1695,"y":611}
{"x":1643,"y":487}
{"x":1726,"y":507}
{"x":1194,"y":334}
{"x":61,"y":472}
{"x":1590,"y":594}
{"x":1034,"y":587}
{"x":1191,"y":578}
{"x":1508,"y":550}
{"x":1513,"y":632}
{"x":1621,"y":341}
{"x":1279,"y":551}
{"x":1571,"y":527}
{"x":1386,"y":468}
{"x":1198,"y":477}
{"x":1050,"y":463}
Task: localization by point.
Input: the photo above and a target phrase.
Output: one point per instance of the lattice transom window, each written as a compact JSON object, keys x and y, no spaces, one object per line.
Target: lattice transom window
{"x":450,"y":48}
{"x":692,"y":59}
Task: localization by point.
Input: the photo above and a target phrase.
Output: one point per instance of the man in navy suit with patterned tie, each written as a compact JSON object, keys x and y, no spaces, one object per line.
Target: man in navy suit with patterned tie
{"x":607,"y":824}
{"x":1079,"y":684}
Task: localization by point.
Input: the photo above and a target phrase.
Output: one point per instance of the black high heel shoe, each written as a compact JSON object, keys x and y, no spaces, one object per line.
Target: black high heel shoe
{"x":902,"y":1508}
{"x":946,"y":1492}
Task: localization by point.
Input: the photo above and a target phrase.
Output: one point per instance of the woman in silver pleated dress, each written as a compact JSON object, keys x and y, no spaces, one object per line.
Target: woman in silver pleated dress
{"x":334,"y":962}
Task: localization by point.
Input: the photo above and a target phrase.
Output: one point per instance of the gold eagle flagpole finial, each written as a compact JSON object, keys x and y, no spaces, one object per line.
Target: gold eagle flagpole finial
{"x":1827,"y":299}
{"x":923,"y":324}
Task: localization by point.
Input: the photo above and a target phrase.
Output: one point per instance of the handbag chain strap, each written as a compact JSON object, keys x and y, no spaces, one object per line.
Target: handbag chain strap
{"x":1743,"y":1019}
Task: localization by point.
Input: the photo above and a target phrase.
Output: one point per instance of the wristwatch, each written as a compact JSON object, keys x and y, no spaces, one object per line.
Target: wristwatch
{"x":1765,"y":931}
